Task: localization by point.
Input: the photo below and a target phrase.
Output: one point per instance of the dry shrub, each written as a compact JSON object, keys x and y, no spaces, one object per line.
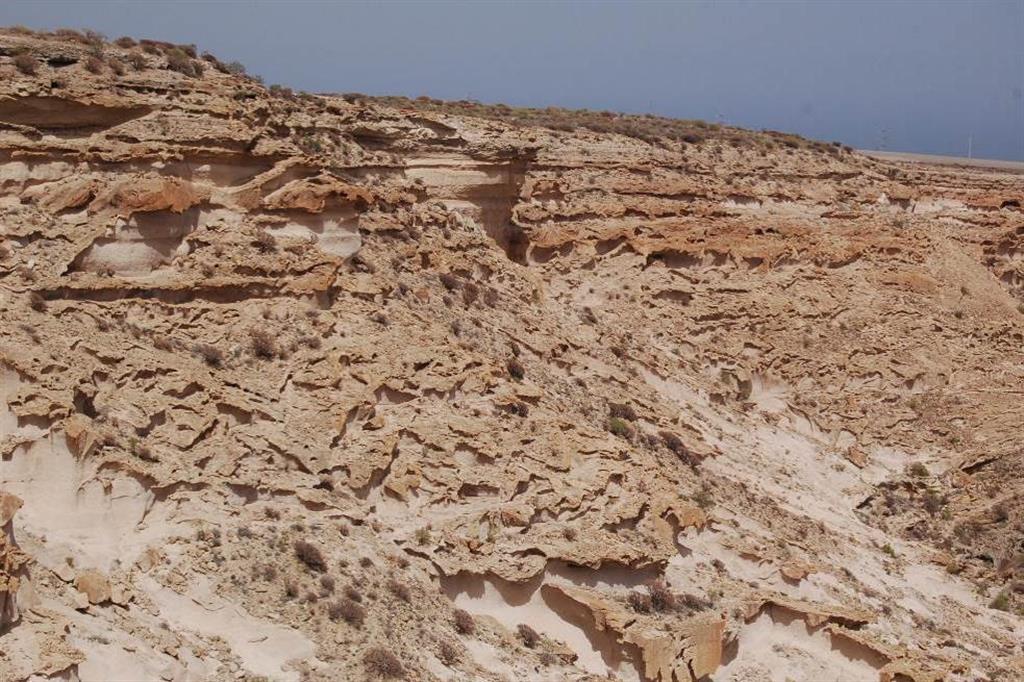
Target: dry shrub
{"x":382,"y":663}
{"x":265,"y":242}
{"x":622,"y":411}
{"x":464,"y":623}
{"x":449,"y":281}
{"x":136,"y":60}
{"x":693,"y":602}
{"x":116,"y":66}
{"x":95,"y":39}
{"x":310,"y":555}
{"x":178,"y":61}
{"x":400,"y":590}
{"x":447,"y":652}
{"x":515,"y":369}
{"x":639,"y":602}
{"x":94,"y":65}
{"x":262,"y":343}
{"x":661,"y":596}
{"x":530,"y":637}
{"x":125,"y":41}
{"x":211,"y":355}
{"x":348,"y":611}
{"x":36,"y":302}
{"x":918,"y":470}
{"x":26,"y":64}
{"x":676,"y":445}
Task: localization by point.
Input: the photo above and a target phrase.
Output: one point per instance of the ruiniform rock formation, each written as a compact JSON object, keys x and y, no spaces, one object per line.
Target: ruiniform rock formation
{"x":333,"y":387}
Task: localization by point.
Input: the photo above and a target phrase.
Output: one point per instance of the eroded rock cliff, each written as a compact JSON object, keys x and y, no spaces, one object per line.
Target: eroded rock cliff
{"x":321,"y":387}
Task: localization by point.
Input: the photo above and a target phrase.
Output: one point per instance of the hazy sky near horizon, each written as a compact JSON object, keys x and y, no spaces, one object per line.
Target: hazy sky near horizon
{"x":917,"y":75}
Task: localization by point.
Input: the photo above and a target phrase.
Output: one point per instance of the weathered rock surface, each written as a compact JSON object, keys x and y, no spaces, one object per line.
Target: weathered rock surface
{"x":285,"y":379}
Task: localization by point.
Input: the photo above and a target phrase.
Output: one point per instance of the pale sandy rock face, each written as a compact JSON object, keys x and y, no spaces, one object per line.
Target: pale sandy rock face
{"x":291,"y":385}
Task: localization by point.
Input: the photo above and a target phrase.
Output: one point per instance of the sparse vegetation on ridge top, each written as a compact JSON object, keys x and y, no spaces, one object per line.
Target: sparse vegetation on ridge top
{"x":647,"y":127}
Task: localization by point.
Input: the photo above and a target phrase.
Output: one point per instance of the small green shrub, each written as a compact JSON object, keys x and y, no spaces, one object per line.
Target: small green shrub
{"x":620,"y":427}
{"x":1001,"y":601}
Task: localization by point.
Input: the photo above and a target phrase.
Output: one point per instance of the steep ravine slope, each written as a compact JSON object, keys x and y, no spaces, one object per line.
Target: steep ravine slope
{"x":304,"y":387}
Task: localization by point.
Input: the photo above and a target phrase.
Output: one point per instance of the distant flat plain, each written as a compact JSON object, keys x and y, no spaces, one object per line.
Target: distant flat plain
{"x":1010,"y":166}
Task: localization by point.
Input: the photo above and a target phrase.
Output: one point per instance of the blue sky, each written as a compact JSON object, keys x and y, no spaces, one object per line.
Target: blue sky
{"x":919,"y":75}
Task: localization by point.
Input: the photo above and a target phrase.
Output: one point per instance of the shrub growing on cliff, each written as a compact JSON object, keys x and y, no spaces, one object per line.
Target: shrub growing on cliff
{"x":661,"y":596}
{"x":515,"y":369}
{"x":94,"y":65}
{"x":1001,"y":602}
{"x":622,"y":411}
{"x":464,"y":623}
{"x":382,"y":663}
{"x":694,"y":603}
{"x":449,"y":281}
{"x":447,"y":653}
{"x":211,"y":355}
{"x":262,"y":344}
{"x":348,"y":611}
{"x":178,"y":61}
{"x":265,"y":242}
{"x":400,"y":590}
{"x":530,"y":637}
{"x":136,"y":60}
{"x":36,"y":302}
{"x":310,"y":555}
{"x":639,"y":602}
{"x":620,"y":427}
{"x":327,"y":584}
{"x":918,"y":470}
{"x":26,"y":64}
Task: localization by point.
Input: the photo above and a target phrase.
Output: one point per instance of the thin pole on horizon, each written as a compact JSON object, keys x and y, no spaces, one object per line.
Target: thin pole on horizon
{"x":970,"y":146}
